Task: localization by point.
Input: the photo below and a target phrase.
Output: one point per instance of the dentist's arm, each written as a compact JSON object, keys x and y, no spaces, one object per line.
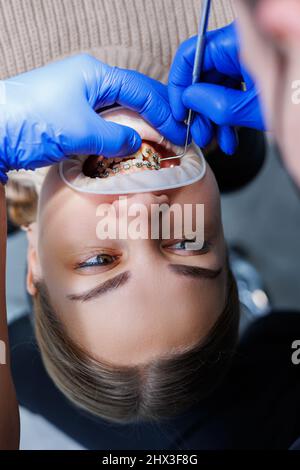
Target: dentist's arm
{"x":49,"y":113}
{"x":219,"y":101}
{"x":9,"y":414}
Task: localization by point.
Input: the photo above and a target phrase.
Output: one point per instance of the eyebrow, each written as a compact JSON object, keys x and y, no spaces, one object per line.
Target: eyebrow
{"x":121,"y":279}
{"x":103,"y":288}
{"x":195,"y":271}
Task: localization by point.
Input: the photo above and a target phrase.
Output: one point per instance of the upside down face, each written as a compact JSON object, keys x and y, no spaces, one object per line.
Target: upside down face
{"x":127,"y":300}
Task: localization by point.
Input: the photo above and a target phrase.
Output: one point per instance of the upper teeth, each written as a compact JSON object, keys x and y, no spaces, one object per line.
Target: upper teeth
{"x":111,"y":166}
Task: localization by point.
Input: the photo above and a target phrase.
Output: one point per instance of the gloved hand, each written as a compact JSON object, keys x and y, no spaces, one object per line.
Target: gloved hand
{"x":48,"y":113}
{"x":220,"y":100}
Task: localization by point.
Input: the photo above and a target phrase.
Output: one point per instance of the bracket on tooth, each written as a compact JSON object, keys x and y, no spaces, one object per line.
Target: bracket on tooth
{"x":103,"y":168}
{"x":156,"y":159}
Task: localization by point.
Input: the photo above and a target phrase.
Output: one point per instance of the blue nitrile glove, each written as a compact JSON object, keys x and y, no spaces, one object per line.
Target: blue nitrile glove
{"x":219,"y":102}
{"x":48,"y":113}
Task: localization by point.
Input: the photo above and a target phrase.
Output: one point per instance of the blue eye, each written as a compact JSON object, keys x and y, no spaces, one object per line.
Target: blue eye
{"x":99,"y":260}
{"x":180,"y":246}
{"x":187,"y":245}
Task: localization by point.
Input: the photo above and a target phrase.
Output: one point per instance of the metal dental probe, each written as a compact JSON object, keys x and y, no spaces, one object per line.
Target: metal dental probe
{"x":197,"y":69}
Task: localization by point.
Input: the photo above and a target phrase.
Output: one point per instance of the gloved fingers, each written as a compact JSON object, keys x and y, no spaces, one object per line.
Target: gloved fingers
{"x":247,"y":77}
{"x":224,"y":106}
{"x":228,"y":139}
{"x":202,"y":131}
{"x":149,"y":98}
{"x":222,"y":52}
{"x":175,"y":98}
{"x":213,"y":76}
{"x":159,"y":87}
{"x":221,"y":58}
{"x":96,"y":136}
{"x":175,"y":92}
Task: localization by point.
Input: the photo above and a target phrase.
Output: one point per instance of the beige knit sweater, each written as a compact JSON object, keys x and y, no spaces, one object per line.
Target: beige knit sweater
{"x":137,"y":34}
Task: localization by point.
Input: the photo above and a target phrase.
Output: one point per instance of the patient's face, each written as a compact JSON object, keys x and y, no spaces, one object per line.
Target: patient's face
{"x":126,"y":301}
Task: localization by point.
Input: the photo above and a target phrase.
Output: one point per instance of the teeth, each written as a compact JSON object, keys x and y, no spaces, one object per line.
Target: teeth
{"x":126,"y":166}
{"x":146,"y":158}
{"x":102,"y":163}
{"x":104,"y":175}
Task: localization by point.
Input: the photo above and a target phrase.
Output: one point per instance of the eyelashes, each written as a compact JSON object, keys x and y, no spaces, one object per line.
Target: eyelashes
{"x":102,"y":260}
{"x":184,"y":247}
{"x":187,"y":245}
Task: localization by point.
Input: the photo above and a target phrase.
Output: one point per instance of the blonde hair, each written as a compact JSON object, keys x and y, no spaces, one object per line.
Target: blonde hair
{"x":160,"y":389}
{"x":22,"y":193}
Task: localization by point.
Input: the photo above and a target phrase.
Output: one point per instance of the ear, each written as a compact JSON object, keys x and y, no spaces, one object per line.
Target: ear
{"x":33,"y":266}
{"x":280,"y":19}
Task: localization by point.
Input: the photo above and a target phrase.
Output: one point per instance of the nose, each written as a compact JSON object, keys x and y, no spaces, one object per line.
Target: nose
{"x":144,"y":199}
{"x":147,"y":199}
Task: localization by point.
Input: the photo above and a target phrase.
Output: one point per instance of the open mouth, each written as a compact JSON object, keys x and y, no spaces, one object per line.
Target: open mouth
{"x":148,"y":157}
{"x":144,"y":171}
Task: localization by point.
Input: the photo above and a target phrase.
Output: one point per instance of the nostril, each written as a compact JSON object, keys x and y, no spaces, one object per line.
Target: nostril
{"x":162,"y":199}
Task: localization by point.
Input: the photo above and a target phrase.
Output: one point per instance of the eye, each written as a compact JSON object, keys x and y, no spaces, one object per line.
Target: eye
{"x":189,"y":246}
{"x":98,"y":260}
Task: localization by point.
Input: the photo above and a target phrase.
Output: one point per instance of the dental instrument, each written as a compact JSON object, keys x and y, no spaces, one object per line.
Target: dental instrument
{"x":197,"y":70}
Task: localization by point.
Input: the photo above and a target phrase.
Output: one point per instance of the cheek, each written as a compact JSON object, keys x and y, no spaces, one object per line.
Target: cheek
{"x":260,"y":60}
{"x":290,"y":118}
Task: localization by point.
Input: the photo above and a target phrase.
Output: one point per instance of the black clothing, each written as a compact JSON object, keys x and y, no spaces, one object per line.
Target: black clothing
{"x":256,"y":407}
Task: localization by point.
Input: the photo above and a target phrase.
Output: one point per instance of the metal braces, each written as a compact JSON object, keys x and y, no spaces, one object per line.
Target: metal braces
{"x":155,"y":165}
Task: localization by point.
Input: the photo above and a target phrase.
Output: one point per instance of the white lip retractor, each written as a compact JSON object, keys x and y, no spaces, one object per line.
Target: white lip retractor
{"x":191,"y":169}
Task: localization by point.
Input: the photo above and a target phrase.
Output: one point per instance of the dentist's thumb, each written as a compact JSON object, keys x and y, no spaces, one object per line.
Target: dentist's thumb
{"x":96,"y":136}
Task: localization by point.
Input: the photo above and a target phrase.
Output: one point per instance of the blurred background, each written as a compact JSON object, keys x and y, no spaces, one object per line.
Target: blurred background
{"x":262,"y":220}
